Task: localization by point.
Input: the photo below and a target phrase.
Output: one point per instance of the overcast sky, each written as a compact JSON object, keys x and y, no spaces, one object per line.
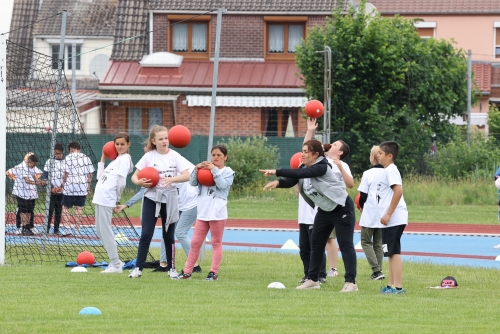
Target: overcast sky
{"x":5,"y":13}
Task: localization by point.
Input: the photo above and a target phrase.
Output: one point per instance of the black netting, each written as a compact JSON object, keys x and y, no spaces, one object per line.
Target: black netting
{"x":40,"y":113}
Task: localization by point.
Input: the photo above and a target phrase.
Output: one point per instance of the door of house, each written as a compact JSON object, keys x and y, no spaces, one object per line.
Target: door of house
{"x":135,"y":121}
{"x":154,"y":117}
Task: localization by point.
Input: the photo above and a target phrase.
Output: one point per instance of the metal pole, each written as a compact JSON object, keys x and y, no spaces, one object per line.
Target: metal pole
{"x":3,"y":140}
{"x":214,"y":99}
{"x":469,"y":93}
{"x":60,"y":64}
{"x":327,"y":95}
{"x":73,"y":87}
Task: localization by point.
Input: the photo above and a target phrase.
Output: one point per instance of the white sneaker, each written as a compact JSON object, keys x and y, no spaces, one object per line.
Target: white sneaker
{"x":173,"y":273}
{"x":135,"y":273}
{"x":308,"y":284}
{"x":497,"y":246}
{"x":113,"y":269}
{"x":332,"y":272}
{"x":18,"y":231}
{"x":349,"y":287}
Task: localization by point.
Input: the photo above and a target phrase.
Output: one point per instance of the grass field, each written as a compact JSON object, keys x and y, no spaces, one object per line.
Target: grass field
{"x":48,"y":298}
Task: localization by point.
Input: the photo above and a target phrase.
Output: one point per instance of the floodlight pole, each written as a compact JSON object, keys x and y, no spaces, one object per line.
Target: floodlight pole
{"x":60,"y":63}
{"x":3,"y":139}
{"x":73,"y":87}
{"x":214,"y":98}
{"x":327,"y":102}
{"x":469,"y":93}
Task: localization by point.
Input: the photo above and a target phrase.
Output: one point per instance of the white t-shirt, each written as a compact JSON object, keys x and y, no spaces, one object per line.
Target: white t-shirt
{"x":57,"y":173}
{"x":111,"y":183}
{"x":211,"y":207}
{"x":78,"y":166}
{"x":336,"y":170}
{"x":370,"y":216}
{"x":21,"y":188}
{"x":306,"y":213}
{"x":168,"y":165}
{"x":384,"y":197}
{"x":188,"y":195}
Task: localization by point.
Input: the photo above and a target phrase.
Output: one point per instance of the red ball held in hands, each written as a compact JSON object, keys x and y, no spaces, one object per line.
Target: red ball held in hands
{"x":179,"y":136}
{"x":150,"y":173}
{"x":205,"y":177}
{"x":110,"y":151}
{"x":356,"y":201}
{"x":314,"y":109}
{"x":296,"y":160}
{"x":85,"y":258}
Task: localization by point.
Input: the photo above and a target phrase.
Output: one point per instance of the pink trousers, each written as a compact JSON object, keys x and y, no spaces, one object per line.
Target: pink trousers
{"x":201,"y":228}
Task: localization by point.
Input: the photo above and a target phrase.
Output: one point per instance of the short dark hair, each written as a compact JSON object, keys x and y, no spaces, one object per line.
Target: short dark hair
{"x":59,"y":147}
{"x":315,"y":146}
{"x":74,"y":144}
{"x":390,"y":147}
{"x":33,"y":158}
{"x":345,"y":149}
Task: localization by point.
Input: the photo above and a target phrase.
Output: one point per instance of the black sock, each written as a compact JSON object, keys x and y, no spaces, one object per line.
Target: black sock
{"x":399,"y":288}
{"x":389,"y":287}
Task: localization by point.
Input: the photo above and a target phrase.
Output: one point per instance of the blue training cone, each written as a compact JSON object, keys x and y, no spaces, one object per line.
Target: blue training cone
{"x":90,"y":311}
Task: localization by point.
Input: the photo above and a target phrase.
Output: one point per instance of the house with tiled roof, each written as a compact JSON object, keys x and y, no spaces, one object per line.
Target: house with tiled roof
{"x":473,"y":25}
{"x":170,"y":65}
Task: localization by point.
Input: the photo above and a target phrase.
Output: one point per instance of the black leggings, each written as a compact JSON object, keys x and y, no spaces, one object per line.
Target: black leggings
{"x":342,"y":218}
{"x":148,"y":221}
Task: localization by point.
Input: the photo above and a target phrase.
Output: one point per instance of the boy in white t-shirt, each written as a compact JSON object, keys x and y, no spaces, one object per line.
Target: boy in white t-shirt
{"x":26,"y":176}
{"x":371,"y":228}
{"x":393,"y":213}
{"x":77,"y":178}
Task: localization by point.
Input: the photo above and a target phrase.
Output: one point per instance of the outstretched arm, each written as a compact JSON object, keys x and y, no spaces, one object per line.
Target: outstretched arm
{"x":311,"y":127}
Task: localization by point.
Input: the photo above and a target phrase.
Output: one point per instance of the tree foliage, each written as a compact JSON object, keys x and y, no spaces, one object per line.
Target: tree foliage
{"x":494,"y":120}
{"x":387,"y":83}
{"x":247,"y":156}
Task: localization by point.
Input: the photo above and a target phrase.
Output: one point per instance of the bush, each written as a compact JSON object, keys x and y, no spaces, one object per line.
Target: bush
{"x":247,"y":156}
{"x":456,"y":159}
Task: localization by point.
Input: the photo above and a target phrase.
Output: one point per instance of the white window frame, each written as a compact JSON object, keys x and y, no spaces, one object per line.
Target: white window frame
{"x":496,"y":27}
{"x":68,"y":44}
{"x":423,"y":24}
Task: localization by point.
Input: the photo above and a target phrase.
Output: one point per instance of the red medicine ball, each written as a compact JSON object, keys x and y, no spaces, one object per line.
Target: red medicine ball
{"x":150,"y":173}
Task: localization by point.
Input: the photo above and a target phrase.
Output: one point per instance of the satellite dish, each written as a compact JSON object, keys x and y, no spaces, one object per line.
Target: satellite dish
{"x":98,"y":65}
{"x":370,"y":9}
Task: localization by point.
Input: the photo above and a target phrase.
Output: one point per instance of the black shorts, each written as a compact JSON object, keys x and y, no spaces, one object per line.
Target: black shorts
{"x":25,"y":205}
{"x":70,"y":201}
{"x":391,"y":239}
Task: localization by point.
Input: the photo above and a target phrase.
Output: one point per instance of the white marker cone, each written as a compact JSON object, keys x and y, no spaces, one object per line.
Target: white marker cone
{"x":289,"y":244}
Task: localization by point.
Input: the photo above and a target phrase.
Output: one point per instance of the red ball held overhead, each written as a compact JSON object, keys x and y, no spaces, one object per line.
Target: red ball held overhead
{"x":150,"y":173}
{"x":110,"y":151}
{"x":85,"y":258}
{"x":205,"y":177}
{"x":314,"y":109}
{"x":179,"y":136}
{"x":356,"y":201}
{"x":296,"y":160}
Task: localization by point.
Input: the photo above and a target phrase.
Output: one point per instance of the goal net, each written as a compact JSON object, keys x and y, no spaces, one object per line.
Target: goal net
{"x":40,"y":118}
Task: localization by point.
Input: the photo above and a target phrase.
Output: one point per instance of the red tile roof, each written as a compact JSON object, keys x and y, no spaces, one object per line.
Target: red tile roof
{"x":199,"y":74}
{"x":482,"y":76}
{"x":437,"y":6}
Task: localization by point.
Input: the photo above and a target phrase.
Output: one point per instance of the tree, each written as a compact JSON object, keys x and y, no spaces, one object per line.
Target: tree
{"x":387,"y":82}
{"x":494,"y":120}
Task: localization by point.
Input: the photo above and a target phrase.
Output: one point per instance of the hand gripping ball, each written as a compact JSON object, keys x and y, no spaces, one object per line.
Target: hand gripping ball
{"x":150,"y":173}
{"x":356,"y":201}
{"x":314,"y":109}
{"x":85,"y":258}
{"x":296,"y":160}
{"x":109,"y":150}
{"x":179,"y":136}
{"x":205,"y":177}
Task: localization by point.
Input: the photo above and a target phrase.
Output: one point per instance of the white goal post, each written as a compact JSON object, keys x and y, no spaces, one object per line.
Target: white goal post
{"x":3,"y":140}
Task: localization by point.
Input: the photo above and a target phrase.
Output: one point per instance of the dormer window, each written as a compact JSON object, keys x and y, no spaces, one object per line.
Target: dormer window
{"x":282,"y":35}
{"x":189,"y":37}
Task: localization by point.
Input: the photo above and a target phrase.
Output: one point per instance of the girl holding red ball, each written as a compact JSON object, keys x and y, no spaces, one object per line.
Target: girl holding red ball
{"x":212,"y":211}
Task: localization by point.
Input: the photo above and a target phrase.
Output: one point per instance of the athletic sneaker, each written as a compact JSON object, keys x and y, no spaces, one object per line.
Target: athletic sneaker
{"x":377,"y":276}
{"x":18,"y":231}
{"x":497,"y":246}
{"x":398,"y":292}
{"x":65,"y":232}
{"x":197,"y":269}
{"x":27,"y":231}
{"x":308,"y":284}
{"x":349,"y":287}
{"x":113,"y":269}
{"x":322,"y":280}
{"x":332,"y":272}
{"x":212,"y":276}
{"x":161,"y":269}
{"x":386,"y":290}
{"x":183,"y":275}
{"x":136,"y":273}
{"x":173,"y":273}
{"x":302,"y":280}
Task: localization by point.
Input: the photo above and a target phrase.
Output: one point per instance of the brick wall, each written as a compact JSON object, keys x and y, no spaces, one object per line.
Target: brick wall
{"x":160,"y":27}
{"x":229,"y":121}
